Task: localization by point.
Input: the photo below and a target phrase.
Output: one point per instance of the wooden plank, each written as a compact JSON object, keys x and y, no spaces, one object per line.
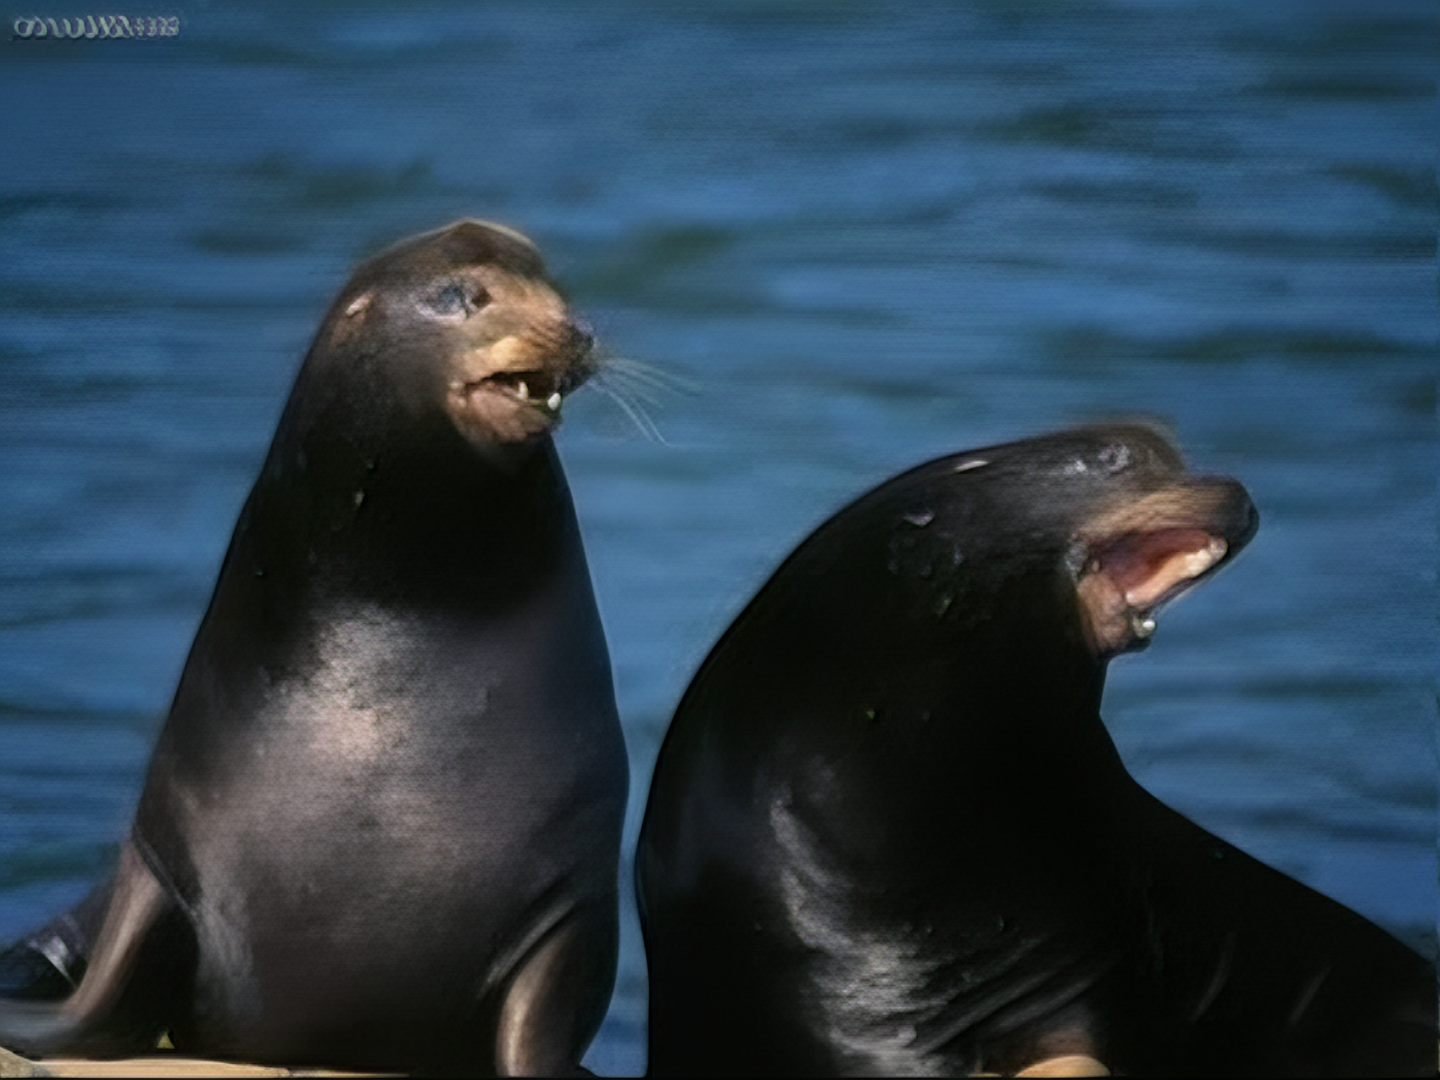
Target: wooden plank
{"x":154,"y":1065}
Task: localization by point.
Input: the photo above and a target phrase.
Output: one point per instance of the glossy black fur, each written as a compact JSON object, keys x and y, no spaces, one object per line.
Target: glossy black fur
{"x":385,"y":807}
{"x":888,"y":832}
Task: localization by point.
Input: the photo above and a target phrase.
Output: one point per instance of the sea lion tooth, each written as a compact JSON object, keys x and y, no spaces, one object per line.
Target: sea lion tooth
{"x":522,"y":391}
{"x":1200,"y":561}
{"x":553,"y":401}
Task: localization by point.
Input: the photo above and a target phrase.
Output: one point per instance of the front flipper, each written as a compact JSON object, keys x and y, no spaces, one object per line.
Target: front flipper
{"x":48,"y":964}
{"x":141,"y":960}
{"x":558,"y":996}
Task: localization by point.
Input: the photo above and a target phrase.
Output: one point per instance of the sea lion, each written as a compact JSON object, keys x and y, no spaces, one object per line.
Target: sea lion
{"x":888,"y":832}
{"x":381,"y":826}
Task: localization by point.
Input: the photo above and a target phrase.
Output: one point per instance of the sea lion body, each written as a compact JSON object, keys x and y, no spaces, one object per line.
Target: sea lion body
{"x":889,"y":834}
{"x":381,"y":825}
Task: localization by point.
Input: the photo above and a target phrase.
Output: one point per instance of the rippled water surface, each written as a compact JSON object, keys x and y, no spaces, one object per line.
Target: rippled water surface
{"x":848,"y":237}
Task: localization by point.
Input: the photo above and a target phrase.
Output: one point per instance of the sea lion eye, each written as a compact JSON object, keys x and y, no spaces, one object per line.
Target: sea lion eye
{"x":1114,"y":458}
{"x":455,"y":298}
{"x":448,"y":300}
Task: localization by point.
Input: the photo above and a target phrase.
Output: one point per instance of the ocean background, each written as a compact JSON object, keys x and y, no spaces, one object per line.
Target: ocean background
{"x":823,"y":242}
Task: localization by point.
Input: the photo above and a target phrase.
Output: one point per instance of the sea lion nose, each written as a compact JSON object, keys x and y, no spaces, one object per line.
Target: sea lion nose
{"x":578,"y":339}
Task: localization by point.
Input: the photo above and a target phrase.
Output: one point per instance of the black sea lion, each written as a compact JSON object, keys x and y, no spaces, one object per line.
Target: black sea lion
{"x":381,"y":826}
{"x":889,"y":834}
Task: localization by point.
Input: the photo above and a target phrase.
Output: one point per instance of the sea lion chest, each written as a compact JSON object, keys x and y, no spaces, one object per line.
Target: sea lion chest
{"x":331,"y":800}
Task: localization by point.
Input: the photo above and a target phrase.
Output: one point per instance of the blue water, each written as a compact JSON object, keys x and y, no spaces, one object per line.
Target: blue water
{"x":846,"y":237}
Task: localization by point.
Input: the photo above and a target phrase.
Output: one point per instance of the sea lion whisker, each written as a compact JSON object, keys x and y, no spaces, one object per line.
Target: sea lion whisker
{"x":632,"y":409}
{"x":640,"y":396}
{"x":648,"y":380}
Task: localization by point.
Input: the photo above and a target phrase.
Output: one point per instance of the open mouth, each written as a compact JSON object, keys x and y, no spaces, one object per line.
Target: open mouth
{"x":1143,"y":571}
{"x":1172,"y":540}
{"x":510,"y":390}
{"x":539,"y":389}
{"x":511,"y":406}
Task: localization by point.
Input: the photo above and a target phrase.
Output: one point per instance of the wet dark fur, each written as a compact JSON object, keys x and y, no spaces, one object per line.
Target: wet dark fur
{"x":888,"y":832}
{"x":381,"y":825}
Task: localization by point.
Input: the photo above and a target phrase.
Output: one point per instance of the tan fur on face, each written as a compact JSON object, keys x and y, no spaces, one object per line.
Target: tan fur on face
{"x":525,"y":334}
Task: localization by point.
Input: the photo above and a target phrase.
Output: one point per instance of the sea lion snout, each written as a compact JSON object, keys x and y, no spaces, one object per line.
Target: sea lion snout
{"x":1132,"y":559}
{"x":578,"y":340}
{"x":511,"y":391}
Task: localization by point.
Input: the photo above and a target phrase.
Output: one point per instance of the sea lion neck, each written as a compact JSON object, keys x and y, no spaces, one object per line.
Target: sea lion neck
{"x":1011,"y":675}
{"x":933,"y":668}
{"x":434,"y":527}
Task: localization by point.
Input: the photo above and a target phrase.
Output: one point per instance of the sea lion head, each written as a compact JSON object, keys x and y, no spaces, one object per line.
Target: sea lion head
{"x":465,"y":323}
{"x":1155,"y":536}
{"x":989,"y":585}
{"x":1108,"y":513}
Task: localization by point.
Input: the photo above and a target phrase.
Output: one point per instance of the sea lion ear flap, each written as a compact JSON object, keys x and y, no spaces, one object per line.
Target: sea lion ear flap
{"x":351,"y":318}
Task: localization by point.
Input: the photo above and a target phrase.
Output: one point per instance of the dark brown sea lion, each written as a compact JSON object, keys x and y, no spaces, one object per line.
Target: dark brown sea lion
{"x":381,"y":826}
{"x":889,"y":834}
